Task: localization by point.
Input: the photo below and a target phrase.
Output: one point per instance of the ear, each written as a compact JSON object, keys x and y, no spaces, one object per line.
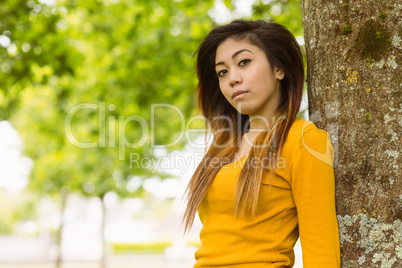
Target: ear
{"x":279,"y":74}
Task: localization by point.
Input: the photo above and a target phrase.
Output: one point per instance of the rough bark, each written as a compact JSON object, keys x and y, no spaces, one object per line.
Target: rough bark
{"x":354,"y":57}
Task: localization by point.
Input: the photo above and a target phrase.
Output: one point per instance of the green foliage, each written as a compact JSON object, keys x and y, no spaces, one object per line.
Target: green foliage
{"x":229,"y":4}
{"x":121,"y":58}
{"x":37,"y":50}
{"x":16,"y":208}
{"x":285,"y":12}
{"x":5,"y":227}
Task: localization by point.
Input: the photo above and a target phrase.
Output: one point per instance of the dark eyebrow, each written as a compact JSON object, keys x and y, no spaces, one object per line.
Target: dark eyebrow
{"x":234,"y":55}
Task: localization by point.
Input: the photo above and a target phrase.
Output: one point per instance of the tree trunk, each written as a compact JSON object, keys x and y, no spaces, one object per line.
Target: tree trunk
{"x":354,"y":80}
{"x":59,"y":234}
{"x":103,"y":259}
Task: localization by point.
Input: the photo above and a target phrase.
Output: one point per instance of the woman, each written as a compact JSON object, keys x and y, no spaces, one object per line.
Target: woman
{"x":268,"y":176}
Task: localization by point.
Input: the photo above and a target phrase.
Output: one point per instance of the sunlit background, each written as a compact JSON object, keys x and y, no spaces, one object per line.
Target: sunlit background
{"x":78,"y":81}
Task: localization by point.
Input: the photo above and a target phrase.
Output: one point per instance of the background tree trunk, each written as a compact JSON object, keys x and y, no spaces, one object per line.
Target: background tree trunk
{"x":103,"y":263}
{"x":354,"y":87}
{"x":59,"y":234}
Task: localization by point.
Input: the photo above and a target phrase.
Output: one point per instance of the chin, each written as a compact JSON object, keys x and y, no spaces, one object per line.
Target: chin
{"x":244,"y":111}
{"x":241,"y":108}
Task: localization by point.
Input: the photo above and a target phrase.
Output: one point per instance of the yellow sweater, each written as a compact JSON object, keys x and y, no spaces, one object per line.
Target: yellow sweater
{"x":300,"y":201}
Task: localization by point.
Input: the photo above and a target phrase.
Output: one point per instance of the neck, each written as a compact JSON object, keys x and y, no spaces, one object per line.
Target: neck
{"x":265,"y":116}
{"x":260,"y":123}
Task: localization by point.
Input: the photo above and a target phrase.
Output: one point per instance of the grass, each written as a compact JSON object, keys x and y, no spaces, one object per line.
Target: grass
{"x":144,"y":248}
{"x":129,"y":248}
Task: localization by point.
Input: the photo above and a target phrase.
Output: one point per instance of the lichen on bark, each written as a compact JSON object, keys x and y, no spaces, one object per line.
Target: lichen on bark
{"x":372,"y":236}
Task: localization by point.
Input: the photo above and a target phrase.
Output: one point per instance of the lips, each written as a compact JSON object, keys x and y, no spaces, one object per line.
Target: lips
{"x":238,"y":93}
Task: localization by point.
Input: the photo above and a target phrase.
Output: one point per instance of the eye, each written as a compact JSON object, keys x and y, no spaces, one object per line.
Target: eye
{"x":221,"y":73}
{"x":244,"y":62}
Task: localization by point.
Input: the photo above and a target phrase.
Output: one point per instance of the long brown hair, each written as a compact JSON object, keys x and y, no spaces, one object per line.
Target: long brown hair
{"x":283,"y":52}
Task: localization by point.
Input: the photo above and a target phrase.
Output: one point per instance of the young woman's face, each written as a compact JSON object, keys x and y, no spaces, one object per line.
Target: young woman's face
{"x":243,"y":67}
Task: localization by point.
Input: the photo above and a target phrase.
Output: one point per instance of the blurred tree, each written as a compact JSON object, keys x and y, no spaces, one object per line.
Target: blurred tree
{"x":136,"y":55}
{"x":35,"y":72}
{"x":285,"y":12}
{"x":31,"y":49}
{"x":16,"y":208}
{"x":118,"y":58}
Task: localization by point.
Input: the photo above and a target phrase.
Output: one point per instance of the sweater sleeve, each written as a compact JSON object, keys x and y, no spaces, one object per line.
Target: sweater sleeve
{"x":313,"y":189}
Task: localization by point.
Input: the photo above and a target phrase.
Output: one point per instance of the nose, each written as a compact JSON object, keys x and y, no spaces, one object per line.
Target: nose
{"x":235,"y":78}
